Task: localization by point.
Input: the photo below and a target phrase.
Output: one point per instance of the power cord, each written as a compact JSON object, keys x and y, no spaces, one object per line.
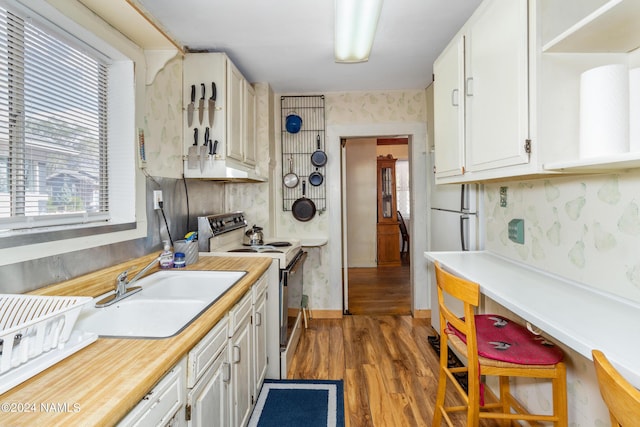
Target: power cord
{"x":161,"y":204}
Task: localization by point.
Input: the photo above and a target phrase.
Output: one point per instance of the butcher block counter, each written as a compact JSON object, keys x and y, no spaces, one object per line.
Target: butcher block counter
{"x":101,"y":383}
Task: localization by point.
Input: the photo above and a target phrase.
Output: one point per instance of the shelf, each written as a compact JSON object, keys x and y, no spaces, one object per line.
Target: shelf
{"x":597,"y":164}
{"x":611,"y":28}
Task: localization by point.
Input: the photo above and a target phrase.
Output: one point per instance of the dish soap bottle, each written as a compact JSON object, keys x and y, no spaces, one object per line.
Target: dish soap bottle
{"x":166,"y":257}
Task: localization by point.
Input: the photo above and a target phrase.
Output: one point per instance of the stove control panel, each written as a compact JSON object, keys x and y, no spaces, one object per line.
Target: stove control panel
{"x":214,"y":225}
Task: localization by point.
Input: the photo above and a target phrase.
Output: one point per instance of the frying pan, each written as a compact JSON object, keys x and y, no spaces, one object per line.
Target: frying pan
{"x":303,"y":209}
{"x":318,"y":158}
{"x":316,"y":178}
{"x":290,"y":180}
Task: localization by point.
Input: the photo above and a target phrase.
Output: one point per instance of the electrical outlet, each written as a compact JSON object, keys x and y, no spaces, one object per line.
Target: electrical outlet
{"x":157,"y":198}
{"x":503,"y":197}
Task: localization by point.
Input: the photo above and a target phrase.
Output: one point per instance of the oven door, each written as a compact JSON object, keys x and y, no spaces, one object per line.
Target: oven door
{"x":290,"y":296}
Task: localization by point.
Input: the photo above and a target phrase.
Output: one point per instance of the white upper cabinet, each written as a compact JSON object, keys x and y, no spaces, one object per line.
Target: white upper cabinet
{"x":448,"y":94}
{"x":523,"y":61}
{"x":233,"y":125}
{"x":496,"y":86}
{"x":481,"y":104}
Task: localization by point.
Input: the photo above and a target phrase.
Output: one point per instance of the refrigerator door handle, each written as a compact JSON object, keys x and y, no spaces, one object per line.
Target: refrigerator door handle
{"x":463,"y":199}
{"x":463,"y":242}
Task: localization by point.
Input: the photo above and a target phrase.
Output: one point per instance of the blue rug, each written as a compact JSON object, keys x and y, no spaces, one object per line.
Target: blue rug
{"x":295,"y":403}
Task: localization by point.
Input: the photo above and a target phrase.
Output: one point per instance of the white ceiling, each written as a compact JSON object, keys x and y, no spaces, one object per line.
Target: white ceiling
{"x":289,"y":43}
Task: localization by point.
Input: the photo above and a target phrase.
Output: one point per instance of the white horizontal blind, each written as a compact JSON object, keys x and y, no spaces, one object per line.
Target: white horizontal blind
{"x":53,"y":122}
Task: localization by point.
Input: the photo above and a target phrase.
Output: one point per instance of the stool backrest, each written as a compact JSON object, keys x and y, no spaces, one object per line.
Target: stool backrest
{"x":466,"y":291}
{"x":622,"y":398}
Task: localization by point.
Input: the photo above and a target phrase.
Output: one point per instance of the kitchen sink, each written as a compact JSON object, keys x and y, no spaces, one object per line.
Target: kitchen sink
{"x":168,"y":302}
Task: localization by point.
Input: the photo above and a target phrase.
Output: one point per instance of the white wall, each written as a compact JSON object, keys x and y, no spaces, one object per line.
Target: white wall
{"x":361,"y":202}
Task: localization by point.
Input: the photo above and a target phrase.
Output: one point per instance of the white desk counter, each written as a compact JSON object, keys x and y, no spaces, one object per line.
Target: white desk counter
{"x":581,"y":317}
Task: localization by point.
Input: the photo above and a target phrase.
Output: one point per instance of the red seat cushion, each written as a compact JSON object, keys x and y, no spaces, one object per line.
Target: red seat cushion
{"x":506,"y":341}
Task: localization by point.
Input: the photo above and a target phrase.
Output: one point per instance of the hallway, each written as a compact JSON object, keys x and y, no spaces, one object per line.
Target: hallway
{"x":380,"y":291}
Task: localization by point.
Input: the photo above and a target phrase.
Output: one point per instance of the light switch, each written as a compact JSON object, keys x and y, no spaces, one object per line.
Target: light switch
{"x":516,"y":230}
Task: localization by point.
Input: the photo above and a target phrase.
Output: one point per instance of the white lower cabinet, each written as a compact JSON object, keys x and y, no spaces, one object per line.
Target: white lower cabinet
{"x":160,"y":406}
{"x":241,"y":354}
{"x":259,"y":334}
{"x":218,"y":382}
{"x":209,"y":380}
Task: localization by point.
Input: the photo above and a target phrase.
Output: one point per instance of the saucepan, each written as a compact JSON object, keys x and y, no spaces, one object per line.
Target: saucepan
{"x":290,"y":180}
{"x":319,"y":157}
{"x":293,"y":122}
{"x":316,"y":178}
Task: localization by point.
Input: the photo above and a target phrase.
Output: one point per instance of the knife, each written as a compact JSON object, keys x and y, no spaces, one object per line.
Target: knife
{"x":213,"y":148}
{"x":191,"y":106}
{"x":203,"y":149}
{"x":212,"y":103}
{"x":192,"y":157}
{"x":201,"y":104}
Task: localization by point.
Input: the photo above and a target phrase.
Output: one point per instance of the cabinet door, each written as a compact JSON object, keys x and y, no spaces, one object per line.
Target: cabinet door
{"x":497,"y":102}
{"x":260,"y":341}
{"x":208,"y":402}
{"x":241,"y":358}
{"x":234,"y":112}
{"x":448,"y":98}
{"x":249,"y":118}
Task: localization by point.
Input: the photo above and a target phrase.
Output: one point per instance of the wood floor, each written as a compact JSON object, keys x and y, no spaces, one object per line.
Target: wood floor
{"x":388,"y":367}
{"x":380,"y":291}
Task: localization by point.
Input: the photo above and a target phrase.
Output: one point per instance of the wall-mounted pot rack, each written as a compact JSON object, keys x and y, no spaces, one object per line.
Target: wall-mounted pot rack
{"x":300,"y":146}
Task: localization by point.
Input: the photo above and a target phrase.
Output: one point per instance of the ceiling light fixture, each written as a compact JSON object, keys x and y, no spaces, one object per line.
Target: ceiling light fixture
{"x":355,"y":29}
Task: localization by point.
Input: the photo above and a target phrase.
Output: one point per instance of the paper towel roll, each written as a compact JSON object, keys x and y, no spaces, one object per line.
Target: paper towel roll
{"x":604,"y":111}
{"x":634,"y":110}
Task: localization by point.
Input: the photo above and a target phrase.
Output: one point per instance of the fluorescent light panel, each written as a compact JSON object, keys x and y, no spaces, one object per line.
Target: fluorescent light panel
{"x":355,"y":26}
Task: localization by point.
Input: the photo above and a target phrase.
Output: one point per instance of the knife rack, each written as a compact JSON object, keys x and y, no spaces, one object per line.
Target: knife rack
{"x":301,"y":145}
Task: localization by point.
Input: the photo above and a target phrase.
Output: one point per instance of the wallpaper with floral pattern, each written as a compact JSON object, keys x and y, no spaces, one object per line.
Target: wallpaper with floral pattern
{"x":586,"y":229}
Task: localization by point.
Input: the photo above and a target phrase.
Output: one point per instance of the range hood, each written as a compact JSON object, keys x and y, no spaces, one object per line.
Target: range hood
{"x":224,"y":170}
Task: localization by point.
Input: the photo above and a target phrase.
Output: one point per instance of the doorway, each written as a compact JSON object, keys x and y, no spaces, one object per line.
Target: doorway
{"x":377,"y":252}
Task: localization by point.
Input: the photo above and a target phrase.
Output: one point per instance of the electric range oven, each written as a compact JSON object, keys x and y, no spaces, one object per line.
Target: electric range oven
{"x":223,"y":235}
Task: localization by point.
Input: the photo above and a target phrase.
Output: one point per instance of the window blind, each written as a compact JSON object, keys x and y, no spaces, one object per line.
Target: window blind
{"x":53,"y":129}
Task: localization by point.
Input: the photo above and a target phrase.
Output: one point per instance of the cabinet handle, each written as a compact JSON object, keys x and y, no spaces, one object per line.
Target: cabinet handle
{"x":454,"y":97}
{"x":226,"y":373}
{"x":469,"y":86}
{"x":258,"y":318}
{"x":236,"y":354}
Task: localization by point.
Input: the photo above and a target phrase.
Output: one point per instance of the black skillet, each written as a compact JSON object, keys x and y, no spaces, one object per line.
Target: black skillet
{"x":303,"y":209}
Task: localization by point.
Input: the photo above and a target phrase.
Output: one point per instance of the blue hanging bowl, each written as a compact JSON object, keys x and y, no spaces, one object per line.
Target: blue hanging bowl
{"x":293,"y":123}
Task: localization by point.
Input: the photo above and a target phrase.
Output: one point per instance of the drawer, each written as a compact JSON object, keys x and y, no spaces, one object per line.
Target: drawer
{"x":205,"y":352}
{"x":259,"y":287}
{"x":239,"y":313}
{"x":161,"y":403}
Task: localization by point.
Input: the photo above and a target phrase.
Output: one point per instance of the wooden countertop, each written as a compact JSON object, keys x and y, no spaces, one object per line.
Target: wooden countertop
{"x":581,"y":317}
{"x":101,"y":383}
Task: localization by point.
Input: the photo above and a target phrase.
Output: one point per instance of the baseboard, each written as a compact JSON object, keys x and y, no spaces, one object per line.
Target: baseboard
{"x":325,"y":314}
{"x":422,"y":314}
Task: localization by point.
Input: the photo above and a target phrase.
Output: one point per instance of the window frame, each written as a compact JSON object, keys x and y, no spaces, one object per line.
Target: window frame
{"x":127,"y":202}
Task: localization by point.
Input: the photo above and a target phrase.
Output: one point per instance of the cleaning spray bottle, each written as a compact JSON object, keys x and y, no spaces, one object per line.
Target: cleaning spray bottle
{"x":166,"y":257}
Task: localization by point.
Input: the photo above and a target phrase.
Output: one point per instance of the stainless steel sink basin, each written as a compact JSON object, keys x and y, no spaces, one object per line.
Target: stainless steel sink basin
{"x":169,"y":302}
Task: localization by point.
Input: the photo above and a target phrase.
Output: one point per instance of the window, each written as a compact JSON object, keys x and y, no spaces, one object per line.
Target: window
{"x":53,"y":128}
{"x":402,"y":188}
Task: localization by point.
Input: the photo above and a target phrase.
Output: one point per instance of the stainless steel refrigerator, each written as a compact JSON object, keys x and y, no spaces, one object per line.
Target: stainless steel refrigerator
{"x":454,"y":225}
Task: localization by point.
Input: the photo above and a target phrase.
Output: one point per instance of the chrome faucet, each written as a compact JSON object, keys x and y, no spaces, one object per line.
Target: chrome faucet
{"x":123,"y":286}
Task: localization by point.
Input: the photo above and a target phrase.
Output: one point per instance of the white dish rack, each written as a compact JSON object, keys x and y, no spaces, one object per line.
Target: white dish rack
{"x":35,"y":333}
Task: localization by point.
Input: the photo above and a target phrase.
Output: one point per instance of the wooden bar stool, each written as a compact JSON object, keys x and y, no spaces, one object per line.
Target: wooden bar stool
{"x":492,"y":347}
{"x":622,"y":398}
